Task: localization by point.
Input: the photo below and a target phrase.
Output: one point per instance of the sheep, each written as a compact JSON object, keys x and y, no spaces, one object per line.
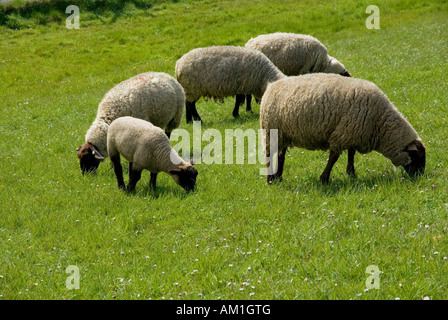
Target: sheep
{"x":331,"y":112}
{"x":294,"y":54}
{"x":153,"y":96}
{"x":297,"y":54}
{"x":221,"y":71}
{"x":146,"y":146}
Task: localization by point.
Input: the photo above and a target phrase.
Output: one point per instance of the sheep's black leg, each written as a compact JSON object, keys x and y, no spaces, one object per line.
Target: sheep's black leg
{"x":239,"y":100}
{"x":281,"y":162}
{"x":332,"y":158}
{"x":270,"y":176}
{"x":350,"y":163}
{"x":118,"y":171}
{"x":188,"y":114}
{"x":248,"y":102}
{"x":134,"y":177}
{"x":269,"y":161}
{"x":168,"y":134}
{"x":153,"y":181}
{"x":194,"y":113}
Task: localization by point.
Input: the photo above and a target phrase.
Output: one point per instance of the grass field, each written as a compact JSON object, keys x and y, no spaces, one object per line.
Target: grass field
{"x":234,"y":237}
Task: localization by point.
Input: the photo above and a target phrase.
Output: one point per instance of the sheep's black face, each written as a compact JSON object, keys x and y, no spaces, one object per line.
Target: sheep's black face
{"x":89,"y":158}
{"x":185,"y":177}
{"x":417,"y":153}
{"x":89,"y":164}
{"x":345,"y":73}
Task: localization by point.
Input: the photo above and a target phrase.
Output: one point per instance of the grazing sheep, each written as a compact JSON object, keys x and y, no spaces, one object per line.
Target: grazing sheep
{"x":222,"y":71}
{"x":146,"y":146}
{"x":153,"y":96}
{"x":331,"y":112}
{"x":294,"y":54}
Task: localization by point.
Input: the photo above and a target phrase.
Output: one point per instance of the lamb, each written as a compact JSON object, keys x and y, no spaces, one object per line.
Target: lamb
{"x":221,"y":71}
{"x":294,"y":54}
{"x":331,"y":112}
{"x":153,"y":96}
{"x":146,"y":146}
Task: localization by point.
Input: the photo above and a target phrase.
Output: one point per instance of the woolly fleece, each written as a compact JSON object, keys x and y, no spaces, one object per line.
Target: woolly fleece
{"x":153,"y":96}
{"x":296,"y":54}
{"x":328,"y":111}
{"x":221,"y":71}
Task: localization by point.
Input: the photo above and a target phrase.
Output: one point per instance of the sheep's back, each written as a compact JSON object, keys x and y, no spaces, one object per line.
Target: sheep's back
{"x":152,"y":96}
{"x":223,"y":71}
{"x":317,"y":111}
{"x":293,"y":54}
{"x":138,"y":141}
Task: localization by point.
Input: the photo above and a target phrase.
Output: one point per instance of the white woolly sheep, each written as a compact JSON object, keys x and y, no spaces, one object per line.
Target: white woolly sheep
{"x":331,"y":112}
{"x":294,"y":54}
{"x":153,"y":96}
{"x":146,"y":146}
{"x":221,"y":71}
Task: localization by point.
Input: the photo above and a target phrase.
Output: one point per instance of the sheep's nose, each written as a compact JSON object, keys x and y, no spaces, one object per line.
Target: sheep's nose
{"x":88,"y":170}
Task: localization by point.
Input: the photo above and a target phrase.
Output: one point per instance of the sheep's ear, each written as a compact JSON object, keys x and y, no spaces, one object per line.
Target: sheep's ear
{"x":192,"y":161}
{"x":412,"y":147}
{"x":77,"y":149}
{"x":96,"y":153}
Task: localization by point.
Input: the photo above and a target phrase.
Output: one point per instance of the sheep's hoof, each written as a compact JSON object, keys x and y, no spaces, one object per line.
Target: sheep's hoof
{"x":324,"y":180}
{"x":351,"y":174}
{"x":270,"y":179}
{"x":130,"y":189}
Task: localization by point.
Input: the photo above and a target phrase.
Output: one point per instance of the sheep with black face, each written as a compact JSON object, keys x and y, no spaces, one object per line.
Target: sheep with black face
{"x":153,"y":96}
{"x":146,"y":146}
{"x":331,"y":112}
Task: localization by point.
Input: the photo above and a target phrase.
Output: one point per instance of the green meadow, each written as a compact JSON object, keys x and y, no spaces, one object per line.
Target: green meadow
{"x":234,"y":237}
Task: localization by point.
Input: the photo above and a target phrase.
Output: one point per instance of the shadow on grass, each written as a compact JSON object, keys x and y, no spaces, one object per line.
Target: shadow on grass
{"x":230,"y":122}
{"x":347,"y":184}
{"x":244,"y":117}
{"x":352,"y":184}
{"x":142,"y":190}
